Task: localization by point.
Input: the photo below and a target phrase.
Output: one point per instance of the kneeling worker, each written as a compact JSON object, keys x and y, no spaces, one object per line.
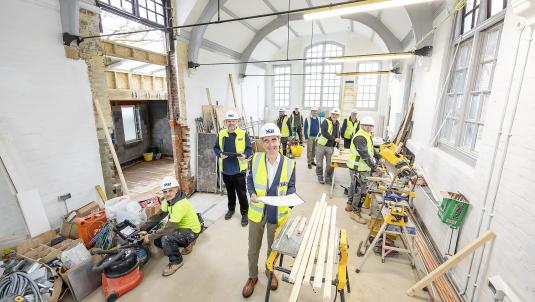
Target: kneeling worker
{"x":272,"y":174}
{"x":181,"y":230}
{"x":361,"y":161}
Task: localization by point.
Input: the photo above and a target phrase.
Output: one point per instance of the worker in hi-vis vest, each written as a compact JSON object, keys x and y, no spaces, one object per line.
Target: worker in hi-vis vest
{"x":272,"y":174}
{"x":312,"y":129}
{"x":350,"y":126}
{"x":296,"y":124}
{"x":361,"y":162}
{"x":328,"y":138}
{"x":283,"y":122}
{"x":233,"y":147}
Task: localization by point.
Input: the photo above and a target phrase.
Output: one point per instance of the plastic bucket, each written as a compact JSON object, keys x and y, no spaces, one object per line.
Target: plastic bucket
{"x":147,"y":156}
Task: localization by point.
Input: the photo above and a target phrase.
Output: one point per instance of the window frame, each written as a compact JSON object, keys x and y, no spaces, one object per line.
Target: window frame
{"x":322,"y":64}
{"x":137,"y":124}
{"x":378,"y":87}
{"x":477,"y":34}
{"x":134,"y":14}
{"x":289,"y":85}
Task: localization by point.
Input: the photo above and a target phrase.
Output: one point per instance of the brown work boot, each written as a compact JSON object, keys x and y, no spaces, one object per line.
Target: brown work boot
{"x":274,"y":281}
{"x":349,"y":207}
{"x":358,"y":218}
{"x":188,"y":248}
{"x":172,"y":268}
{"x":248,"y":289}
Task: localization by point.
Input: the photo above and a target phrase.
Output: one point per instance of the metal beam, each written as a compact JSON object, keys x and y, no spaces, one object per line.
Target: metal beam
{"x":197,"y":33}
{"x":273,"y":9}
{"x":391,"y":42}
{"x":262,"y":33}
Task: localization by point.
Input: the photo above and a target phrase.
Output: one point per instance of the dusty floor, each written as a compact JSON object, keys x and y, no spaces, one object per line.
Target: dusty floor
{"x":144,"y":178}
{"x":216,"y":270}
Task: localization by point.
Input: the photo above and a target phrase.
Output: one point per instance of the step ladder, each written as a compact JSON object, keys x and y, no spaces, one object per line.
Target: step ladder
{"x":348,"y":100}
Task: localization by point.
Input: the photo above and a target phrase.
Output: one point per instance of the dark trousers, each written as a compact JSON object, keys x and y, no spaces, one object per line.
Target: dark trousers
{"x":284,"y":144}
{"x":299,"y":132}
{"x":236,"y":186}
{"x":171,"y":243}
{"x":347,"y":143}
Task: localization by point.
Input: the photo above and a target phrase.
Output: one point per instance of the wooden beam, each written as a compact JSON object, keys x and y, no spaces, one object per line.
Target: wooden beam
{"x":128,"y":52}
{"x":301,"y":225}
{"x":318,"y":276}
{"x":444,"y":267}
{"x":315,"y":245}
{"x":330,"y":258}
{"x":295,"y":268}
{"x":110,"y":145}
{"x":306,"y":256}
{"x":290,"y":231}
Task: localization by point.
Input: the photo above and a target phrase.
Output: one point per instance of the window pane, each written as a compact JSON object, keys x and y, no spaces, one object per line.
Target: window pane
{"x":484,"y":104}
{"x":473,"y":109}
{"x":496,"y":6}
{"x":129,"y":123}
{"x":470,"y":132}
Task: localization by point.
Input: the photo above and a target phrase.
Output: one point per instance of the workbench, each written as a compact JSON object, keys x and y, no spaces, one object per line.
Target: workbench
{"x":289,"y":246}
{"x":338,"y":160}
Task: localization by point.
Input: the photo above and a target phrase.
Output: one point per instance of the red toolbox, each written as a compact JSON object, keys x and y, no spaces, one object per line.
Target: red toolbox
{"x":90,"y":225}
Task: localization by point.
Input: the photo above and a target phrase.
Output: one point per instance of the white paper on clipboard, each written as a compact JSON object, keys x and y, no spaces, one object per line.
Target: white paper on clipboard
{"x":279,"y":201}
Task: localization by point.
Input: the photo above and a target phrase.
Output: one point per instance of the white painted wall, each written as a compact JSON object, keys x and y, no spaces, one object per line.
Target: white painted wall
{"x":353,"y":44}
{"x":511,"y":256}
{"x":46,"y":106}
{"x":249,"y":91}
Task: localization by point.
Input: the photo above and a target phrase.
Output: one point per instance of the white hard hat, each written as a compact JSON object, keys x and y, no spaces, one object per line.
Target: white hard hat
{"x":354,"y":110}
{"x":269,"y":129}
{"x":315,"y":108}
{"x":368,"y":121}
{"x":232,"y":115}
{"x":297,"y":107}
{"x":281,"y":110}
{"x":168,"y":182}
{"x":335,"y":111}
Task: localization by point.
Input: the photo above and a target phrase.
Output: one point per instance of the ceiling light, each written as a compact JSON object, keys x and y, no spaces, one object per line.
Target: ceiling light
{"x":424,"y":51}
{"x":357,"y":7}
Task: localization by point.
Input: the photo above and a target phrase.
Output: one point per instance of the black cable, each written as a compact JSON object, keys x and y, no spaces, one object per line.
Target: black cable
{"x":288,"y":33}
{"x":218,"y":11}
{"x":163,"y":28}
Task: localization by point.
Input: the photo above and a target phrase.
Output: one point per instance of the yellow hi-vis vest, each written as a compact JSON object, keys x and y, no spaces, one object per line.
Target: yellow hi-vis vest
{"x":260,"y":179}
{"x":285,"y":131}
{"x":240,"y":147}
{"x":350,"y":128}
{"x":322,"y":140}
{"x":362,"y":166}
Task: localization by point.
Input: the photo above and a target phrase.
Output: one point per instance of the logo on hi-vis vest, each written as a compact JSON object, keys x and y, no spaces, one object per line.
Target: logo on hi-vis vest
{"x":240,"y":138}
{"x":283,"y":184}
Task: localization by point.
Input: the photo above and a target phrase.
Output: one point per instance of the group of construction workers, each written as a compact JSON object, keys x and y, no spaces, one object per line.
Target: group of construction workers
{"x":248,"y":177}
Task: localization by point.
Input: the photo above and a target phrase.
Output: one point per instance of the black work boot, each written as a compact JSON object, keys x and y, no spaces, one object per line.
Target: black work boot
{"x":244,"y":220}
{"x":229,"y":215}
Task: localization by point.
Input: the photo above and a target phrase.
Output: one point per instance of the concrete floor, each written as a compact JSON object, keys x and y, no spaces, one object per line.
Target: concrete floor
{"x":216,"y":270}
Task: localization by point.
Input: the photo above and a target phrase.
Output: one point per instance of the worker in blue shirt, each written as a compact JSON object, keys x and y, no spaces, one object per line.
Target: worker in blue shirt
{"x":233,"y":148}
{"x":312,"y":129}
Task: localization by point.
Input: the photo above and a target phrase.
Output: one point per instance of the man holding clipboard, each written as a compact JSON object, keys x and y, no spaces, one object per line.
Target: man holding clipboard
{"x":233,"y":147}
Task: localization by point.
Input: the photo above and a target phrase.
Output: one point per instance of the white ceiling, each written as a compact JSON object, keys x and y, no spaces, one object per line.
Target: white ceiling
{"x":237,"y":35}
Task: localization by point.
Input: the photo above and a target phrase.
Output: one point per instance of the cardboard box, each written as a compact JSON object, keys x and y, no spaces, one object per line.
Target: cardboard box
{"x":69,"y":229}
{"x":36,"y":241}
{"x":89,"y":208}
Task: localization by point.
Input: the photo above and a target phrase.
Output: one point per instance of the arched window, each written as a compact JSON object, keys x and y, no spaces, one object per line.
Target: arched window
{"x":322,"y":86}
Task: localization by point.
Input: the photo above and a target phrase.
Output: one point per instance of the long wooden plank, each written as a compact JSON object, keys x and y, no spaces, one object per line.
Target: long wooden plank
{"x":330,"y":257}
{"x":301,"y":225}
{"x":314,"y":252}
{"x":444,"y":267}
{"x":306,"y":236}
{"x":291,"y":230}
{"x":110,"y":145}
{"x":306,"y":255}
{"x":318,"y":276}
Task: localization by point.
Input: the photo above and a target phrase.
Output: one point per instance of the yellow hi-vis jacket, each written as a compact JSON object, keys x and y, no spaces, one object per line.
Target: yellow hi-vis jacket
{"x":322,"y":140}
{"x":352,"y":161}
{"x":260,"y":179}
{"x":350,"y":128}
{"x":285,"y":131}
{"x":240,"y":147}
